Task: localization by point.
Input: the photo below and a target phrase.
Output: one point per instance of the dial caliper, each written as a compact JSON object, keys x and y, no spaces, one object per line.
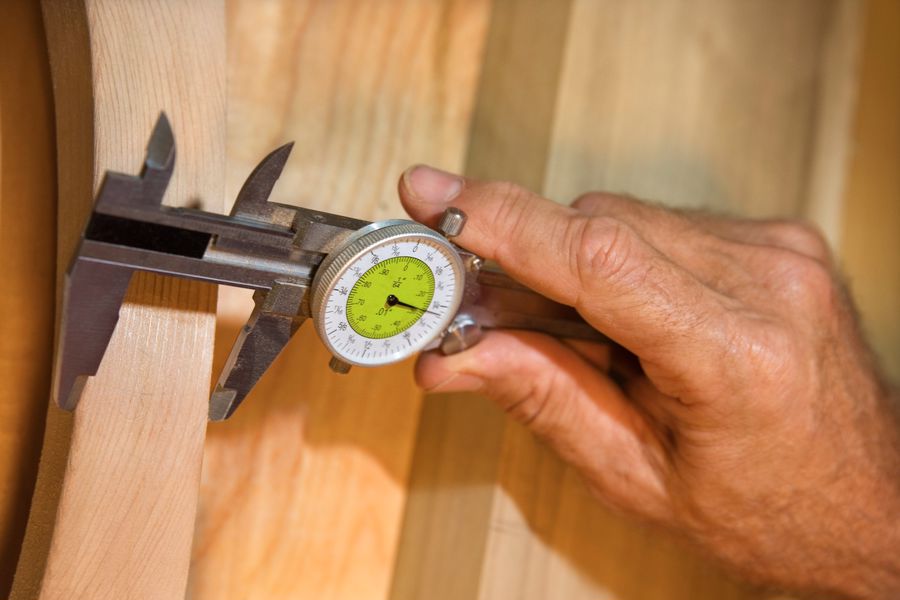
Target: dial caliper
{"x":376,"y":292}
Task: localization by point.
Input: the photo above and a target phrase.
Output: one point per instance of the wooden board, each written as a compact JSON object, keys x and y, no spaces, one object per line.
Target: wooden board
{"x":303,"y":489}
{"x":303,"y":494}
{"x":871,"y":224}
{"x":702,"y":104}
{"x":453,"y":493}
{"x":116,"y":494}
{"x":707,"y":104}
{"x":28,"y":265}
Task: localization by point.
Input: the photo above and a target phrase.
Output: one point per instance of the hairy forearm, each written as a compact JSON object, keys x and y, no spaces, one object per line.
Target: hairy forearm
{"x":840,"y":536}
{"x":874,"y":519}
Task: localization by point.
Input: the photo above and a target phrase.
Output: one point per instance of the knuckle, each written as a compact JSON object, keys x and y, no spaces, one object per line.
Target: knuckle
{"x":802,"y":237}
{"x":507,"y":195}
{"x":510,"y":209}
{"x":760,"y":348}
{"x":590,"y":201}
{"x":601,"y":247}
{"x":527,"y":402}
{"x":806,"y":282}
{"x":770,"y":354}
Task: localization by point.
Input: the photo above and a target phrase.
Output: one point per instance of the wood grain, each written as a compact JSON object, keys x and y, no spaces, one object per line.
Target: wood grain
{"x":452,"y":494}
{"x":28,"y":265}
{"x":834,"y":127}
{"x":871,"y":224}
{"x":303,"y":492}
{"x":702,"y":104}
{"x":303,"y":489}
{"x":116,"y":495}
{"x":449,"y":522}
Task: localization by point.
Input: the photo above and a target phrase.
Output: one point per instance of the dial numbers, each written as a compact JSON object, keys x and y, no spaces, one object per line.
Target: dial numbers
{"x":390,"y":297}
{"x":391,"y":323}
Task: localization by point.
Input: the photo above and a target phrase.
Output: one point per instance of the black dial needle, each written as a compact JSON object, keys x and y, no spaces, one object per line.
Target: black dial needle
{"x":393,"y":300}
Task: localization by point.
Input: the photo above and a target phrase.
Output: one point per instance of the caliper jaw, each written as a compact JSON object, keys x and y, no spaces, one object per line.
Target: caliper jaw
{"x":275,"y":319}
{"x":271,"y":248}
{"x":94,"y":290}
{"x":277,"y":313}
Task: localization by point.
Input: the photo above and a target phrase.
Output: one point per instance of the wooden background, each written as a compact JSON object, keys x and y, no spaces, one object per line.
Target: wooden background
{"x":357,"y":487}
{"x":116,"y":494}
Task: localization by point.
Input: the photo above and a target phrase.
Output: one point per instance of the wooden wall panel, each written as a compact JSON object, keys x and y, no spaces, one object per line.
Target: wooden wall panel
{"x":702,"y":104}
{"x":450,"y":516}
{"x":871,"y":225}
{"x":714,"y":104}
{"x":116,"y":495}
{"x":833,"y":130}
{"x":28,"y":265}
{"x":364,"y":87}
{"x":303,"y":489}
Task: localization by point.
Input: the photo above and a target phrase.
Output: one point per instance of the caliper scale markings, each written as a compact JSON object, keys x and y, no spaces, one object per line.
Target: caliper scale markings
{"x":392,"y":299}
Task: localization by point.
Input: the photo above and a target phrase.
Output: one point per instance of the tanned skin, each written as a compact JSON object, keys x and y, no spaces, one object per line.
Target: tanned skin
{"x":747,"y":414}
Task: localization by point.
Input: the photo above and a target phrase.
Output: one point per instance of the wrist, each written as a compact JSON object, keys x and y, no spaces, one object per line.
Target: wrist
{"x":867,"y":545}
{"x":833,"y":529}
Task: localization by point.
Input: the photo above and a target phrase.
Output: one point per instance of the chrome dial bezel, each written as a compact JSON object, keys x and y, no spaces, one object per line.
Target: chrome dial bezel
{"x":334,"y":269}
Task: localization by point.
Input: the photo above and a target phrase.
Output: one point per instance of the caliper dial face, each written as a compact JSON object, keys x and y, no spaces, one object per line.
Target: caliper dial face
{"x":391,"y":297}
{"x":387,"y":294}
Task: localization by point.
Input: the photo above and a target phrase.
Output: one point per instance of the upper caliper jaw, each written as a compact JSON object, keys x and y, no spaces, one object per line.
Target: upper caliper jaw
{"x":277,"y":313}
{"x":271,"y":248}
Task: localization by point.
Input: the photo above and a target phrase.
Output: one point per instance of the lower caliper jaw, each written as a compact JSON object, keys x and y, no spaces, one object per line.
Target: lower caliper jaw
{"x":275,"y":318}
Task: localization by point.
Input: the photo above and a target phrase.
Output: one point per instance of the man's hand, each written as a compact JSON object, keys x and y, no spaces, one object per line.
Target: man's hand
{"x":752,"y":419}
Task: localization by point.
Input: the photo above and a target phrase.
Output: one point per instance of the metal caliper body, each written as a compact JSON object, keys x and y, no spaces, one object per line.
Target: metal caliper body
{"x":271,"y":248}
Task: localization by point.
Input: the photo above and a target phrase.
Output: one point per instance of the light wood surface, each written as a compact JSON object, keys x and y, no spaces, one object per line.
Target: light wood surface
{"x":116,"y":495}
{"x":353,"y":487}
{"x":871,"y":224}
{"x":303,"y":489}
{"x":834,"y":128}
{"x":449,"y":525}
{"x":701,"y":104}
{"x":27,"y":264}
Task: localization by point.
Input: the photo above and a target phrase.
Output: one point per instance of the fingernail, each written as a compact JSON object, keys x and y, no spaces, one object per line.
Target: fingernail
{"x":457,"y":382}
{"x":432,"y":185}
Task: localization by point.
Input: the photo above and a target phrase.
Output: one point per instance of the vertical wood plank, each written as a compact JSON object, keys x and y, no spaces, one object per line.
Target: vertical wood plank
{"x":871,"y":232}
{"x":303,"y":489}
{"x":833,"y":131}
{"x":116,"y":496}
{"x":451,"y":499}
{"x":513,"y":121}
{"x":451,"y":526}
{"x":28,"y":265}
{"x":694,"y":104}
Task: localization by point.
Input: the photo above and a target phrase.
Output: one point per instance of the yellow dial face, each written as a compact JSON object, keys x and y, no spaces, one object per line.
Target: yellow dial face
{"x":390,"y":297}
{"x":389,"y":293}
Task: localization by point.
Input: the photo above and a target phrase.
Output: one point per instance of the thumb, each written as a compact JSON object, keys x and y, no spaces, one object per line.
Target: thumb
{"x":504,"y":220}
{"x":576,"y":409}
{"x":619,"y":283}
